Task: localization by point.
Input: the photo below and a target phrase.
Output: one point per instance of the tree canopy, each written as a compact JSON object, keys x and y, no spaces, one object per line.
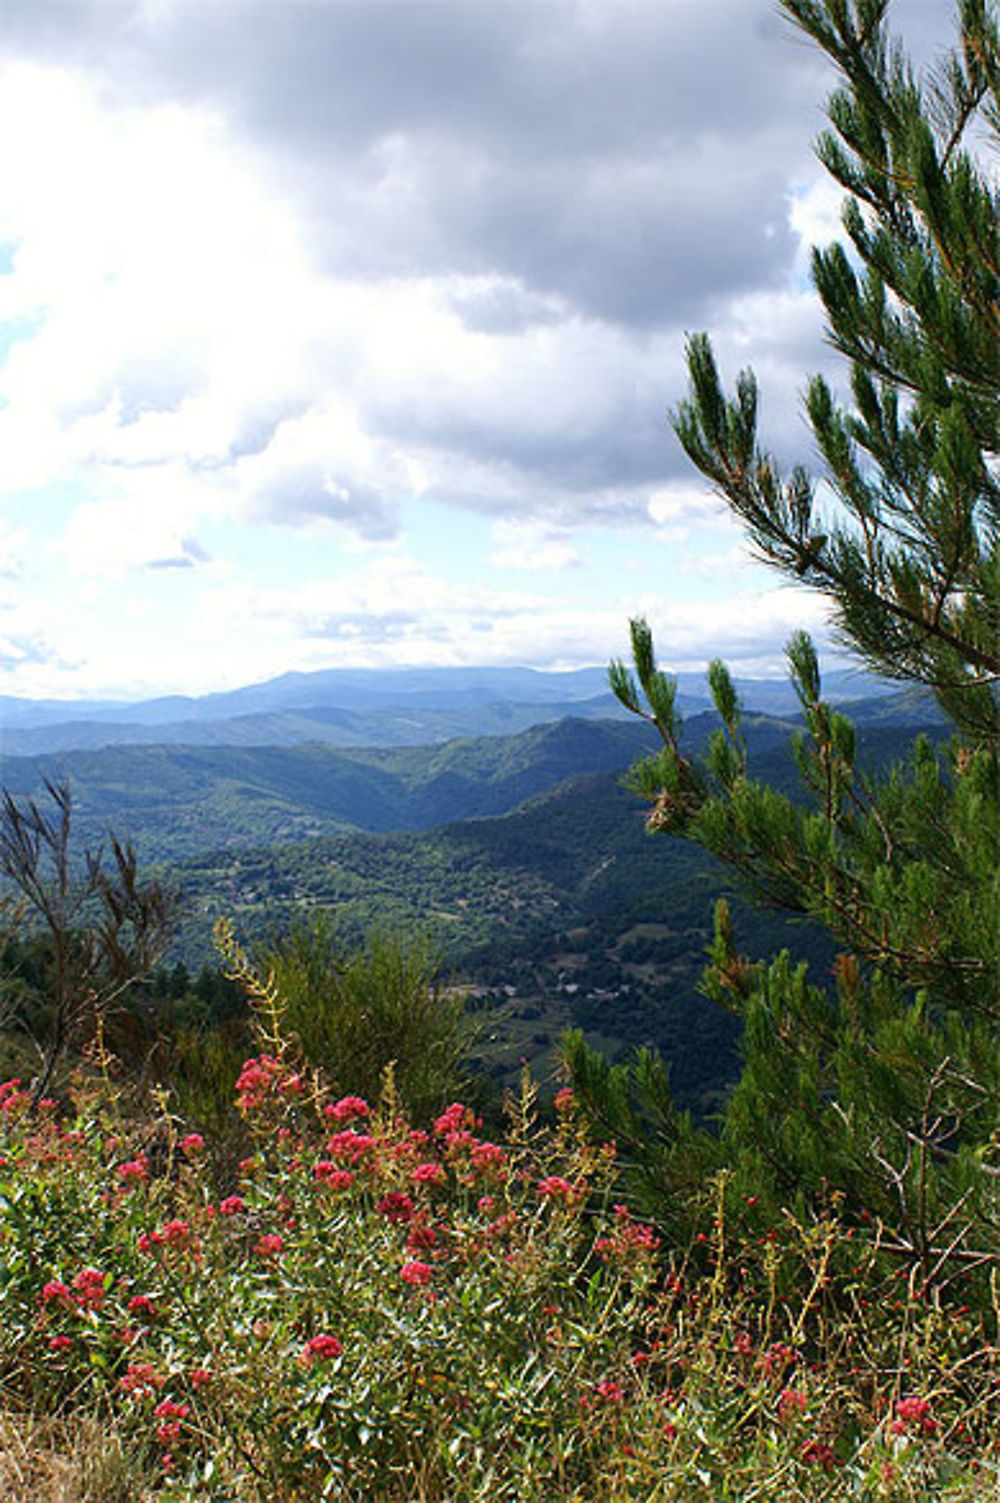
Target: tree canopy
{"x":879,"y":1085}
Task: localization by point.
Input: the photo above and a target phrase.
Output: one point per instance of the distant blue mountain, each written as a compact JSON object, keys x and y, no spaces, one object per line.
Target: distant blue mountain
{"x":367,"y":707}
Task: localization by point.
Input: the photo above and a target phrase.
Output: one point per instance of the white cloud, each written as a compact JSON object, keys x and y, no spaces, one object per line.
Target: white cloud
{"x":12,"y":545}
{"x":531,"y":545}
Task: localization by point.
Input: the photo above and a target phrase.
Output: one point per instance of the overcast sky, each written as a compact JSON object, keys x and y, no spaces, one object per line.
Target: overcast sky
{"x":343,"y":332}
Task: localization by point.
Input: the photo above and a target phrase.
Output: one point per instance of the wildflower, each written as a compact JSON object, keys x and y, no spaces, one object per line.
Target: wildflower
{"x":670,"y":1431}
{"x":171,"y":1414}
{"x":350,"y":1144}
{"x":141,"y":1304}
{"x":743,"y":1343}
{"x":12,"y":1097}
{"x":270,"y":1245}
{"x":60,"y":1343}
{"x":777,"y":1358}
{"x":320,"y":1349}
{"x":142,"y":1380}
{"x":565,"y":1100}
{"x":56,"y":1292}
{"x":815,"y":1453}
{"x":455,"y":1117}
{"x":192,"y":1142}
{"x":554,"y":1187}
{"x":346,"y":1108}
{"x":487,"y":1156}
{"x":326,"y":1172}
{"x":257,"y":1079}
{"x":427,"y":1174}
{"x":89,"y":1287}
{"x":914,"y":1414}
{"x":134,"y":1171}
{"x":609,"y":1390}
{"x":173,"y":1233}
{"x":791,"y":1401}
{"x":171,"y":1409}
{"x":421,"y":1236}
{"x":232,"y":1205}
{"x":396,"y":1207}
{"x":199,"y":1377}
{"x":416,"y":1274}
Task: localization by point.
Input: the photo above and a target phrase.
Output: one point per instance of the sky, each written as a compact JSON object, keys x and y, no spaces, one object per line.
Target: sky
{"x":345,"y":332}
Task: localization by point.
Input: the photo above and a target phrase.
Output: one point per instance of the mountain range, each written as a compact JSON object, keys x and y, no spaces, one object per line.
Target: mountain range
{"x":353,"y":707}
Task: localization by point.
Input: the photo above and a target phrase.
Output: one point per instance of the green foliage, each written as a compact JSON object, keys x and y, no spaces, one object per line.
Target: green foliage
{"x":910,"y":553}
{"x":425,"y":1315}
{"x":96,"y":927}
{"x":882,"y":1088}
{"x":353,"y":1012}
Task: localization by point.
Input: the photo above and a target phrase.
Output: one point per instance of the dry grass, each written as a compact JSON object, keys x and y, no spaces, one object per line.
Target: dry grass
{"x":64,"y":1461}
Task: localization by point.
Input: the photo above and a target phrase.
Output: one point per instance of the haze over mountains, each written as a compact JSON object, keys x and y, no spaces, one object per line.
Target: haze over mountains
{"x":354,"y":707}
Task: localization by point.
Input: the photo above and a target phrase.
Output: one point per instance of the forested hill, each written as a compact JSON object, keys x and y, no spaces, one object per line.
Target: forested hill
{"x":562,"y":912}
{"x":173,"y":802}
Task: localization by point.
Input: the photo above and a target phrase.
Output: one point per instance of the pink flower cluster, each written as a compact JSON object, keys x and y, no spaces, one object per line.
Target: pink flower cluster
{"x":12,"y":1097}
{"x":347,"y":1109}
{"x":629,"y":1241}
{"x":263,"y":1078}
{"x":327,"y":1172}
{"x":914,"y":1416}
{"x":554,"y":1187}
{"x":320,"y":1348}
{"x":350,"y":1145}
{"x":176,"y":1234}
{"x":416,"y":1273}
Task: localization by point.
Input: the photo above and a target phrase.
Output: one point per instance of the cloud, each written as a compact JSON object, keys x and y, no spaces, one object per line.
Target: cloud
{"x":148,"y":525}
{"x":279,"y":274}
{"x":532,"y":545}
{"x":12,"y":545}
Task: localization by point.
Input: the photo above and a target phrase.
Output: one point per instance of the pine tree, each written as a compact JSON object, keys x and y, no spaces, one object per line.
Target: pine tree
{"x":883,"y":1086}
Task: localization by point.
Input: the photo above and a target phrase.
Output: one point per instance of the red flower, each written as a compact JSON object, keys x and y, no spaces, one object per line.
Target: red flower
{"x":135,"y":1171}
{"x":327,"y":1173}
{"x":142,"y":1379}
{"x":56,"y":1292}
{"x":427,"y":1174}
{"x":777,"y":1358}
{"x":60,"y":1343}
{"x":192,"y":1142}
{"x":488,"y":1156}
{"x":815,"y":1453}
{"x":171,"y":1409}
{"x":89,"y":1286}
{"x":421,"y":1237}
{"x":350,"y":1144}
{"x":232,"y":1205}
{"x":914,"y":1413}
{"x":271,"y":1245}
{"x":347,"y":1108}
{"x":453,"y":1118}
{"x":416,"y":1274}
{"x":565,"y":1100}
{"x":141,"y":1304}
{"x":554,"y":1187}
{"x":791,"y":1401}
{"x":610,"y":1390}
{"x":396,"y":1207}
{"x":320,"y":1349}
